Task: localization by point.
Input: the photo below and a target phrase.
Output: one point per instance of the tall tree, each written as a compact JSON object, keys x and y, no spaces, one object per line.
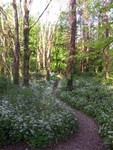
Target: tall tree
{"x":107,"y":35}
{"x":73,"y":30}
{"x":26,"y":42}
{"x":6,"y":37}
{"x":17,"y":46}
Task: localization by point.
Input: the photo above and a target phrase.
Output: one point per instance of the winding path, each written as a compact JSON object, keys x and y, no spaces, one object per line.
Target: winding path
{"x":87,"y":137}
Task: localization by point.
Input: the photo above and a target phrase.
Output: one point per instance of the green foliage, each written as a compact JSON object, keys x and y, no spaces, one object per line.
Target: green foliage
{"x":94,"y":99}
{"x":60,"y":46}
{"x":32,"y":115}
{"x":5,"y":129}
{"x":33,"y":44}
{"x":4,"y":84}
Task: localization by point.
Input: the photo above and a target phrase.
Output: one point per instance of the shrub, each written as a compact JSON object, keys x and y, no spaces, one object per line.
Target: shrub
{"x":3,"y":84}
{"x":5,"y":129}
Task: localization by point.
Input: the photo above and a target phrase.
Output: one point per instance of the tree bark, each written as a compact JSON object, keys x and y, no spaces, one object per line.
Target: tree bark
{"x":107,"y":35}
{"x":5,"y":40}
{"x":107,"y":56}
{"x":73,"y":29}
{"x":17,"y":46}
{"x":100,"y":66}
{"x":26,"y":44}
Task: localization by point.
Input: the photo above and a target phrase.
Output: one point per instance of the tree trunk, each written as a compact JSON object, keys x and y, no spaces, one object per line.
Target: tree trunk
{"x":26,"y":44}
{"x":48,"y":51}
{"x":71,"y":61}
{"x":86,"y":35}
{"x":100,"y":67}
{"x":107,"y":56}
{"x":46,"y":37}
{"x":107,"y":35}
{"x":17,"y":46}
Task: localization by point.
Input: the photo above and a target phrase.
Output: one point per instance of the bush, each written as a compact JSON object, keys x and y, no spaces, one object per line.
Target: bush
{"x":3,"y":84}
{"x":5,"y":129}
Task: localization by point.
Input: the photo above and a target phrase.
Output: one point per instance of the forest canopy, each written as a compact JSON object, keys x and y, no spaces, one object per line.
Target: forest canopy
{"x":79,"y":41}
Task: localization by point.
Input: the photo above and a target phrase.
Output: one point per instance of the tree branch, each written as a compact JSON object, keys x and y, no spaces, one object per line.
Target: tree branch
{"x":40,"y":15}
{"x":3,"y":12}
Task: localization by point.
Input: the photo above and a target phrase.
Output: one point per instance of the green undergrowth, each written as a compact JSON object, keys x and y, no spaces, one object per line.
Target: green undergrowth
{"x":32,"y":115}
{"x":95,"y":98}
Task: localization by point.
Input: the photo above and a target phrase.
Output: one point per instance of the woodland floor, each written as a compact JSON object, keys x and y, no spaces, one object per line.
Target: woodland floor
{"x":86,"y":138}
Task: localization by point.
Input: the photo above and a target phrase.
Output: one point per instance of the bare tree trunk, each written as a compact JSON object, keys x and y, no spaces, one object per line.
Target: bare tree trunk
{"x":26,"y":44}
{"x":107,"y":56}
{"x":40,"y":57}
{"x":3,"y":42}
{"x":38,"y":62}
{"x":48,"y":50}
{"x":46,"y":36}
{"x":6,"y":36}
{"x":73,"y":29}
{"x":107,"y":35}
{"x":87,"y":50}
{"x":17,"y":46}
{"x":44,"y":46}
{"x":100,"y":67}
{"x":86,"y":35}
{"x":4,"y":61}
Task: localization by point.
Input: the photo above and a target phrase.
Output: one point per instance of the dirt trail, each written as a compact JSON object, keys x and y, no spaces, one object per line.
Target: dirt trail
{"x":87,"y":137}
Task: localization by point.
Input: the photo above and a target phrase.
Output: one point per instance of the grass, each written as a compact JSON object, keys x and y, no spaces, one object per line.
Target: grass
{"x":95,"y":98}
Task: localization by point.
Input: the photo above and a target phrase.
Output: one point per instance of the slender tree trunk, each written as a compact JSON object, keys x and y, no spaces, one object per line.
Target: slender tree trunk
{"x":4,"y":61}
{"x":44,"y":46}
{"x":3,"y":54}
{"x":38,"y":61}
{"x":100,"y":67}
{"x":107,"y":56}
{"x":0,"y":65}
{"x":87,"y":50}
{"x":73,"y":29}
{"x":17,"y":46}
{"x":48,"y":51}
{"x":86,"y":35}
{"x":5,"y":39}
{"x":26,"y":44}
{"x":40,"y":51}
{"x":107,"y":35}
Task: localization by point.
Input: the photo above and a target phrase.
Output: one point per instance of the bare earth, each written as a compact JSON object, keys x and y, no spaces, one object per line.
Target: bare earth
{"x":87,"y":137}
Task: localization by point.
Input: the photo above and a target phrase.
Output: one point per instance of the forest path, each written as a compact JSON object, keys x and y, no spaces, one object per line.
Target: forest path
{"x":86,"y":138}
